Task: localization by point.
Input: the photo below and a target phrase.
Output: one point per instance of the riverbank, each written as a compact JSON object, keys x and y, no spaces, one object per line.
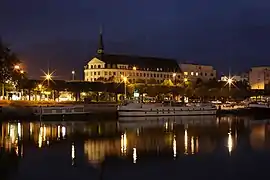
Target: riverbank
{"x":23,"y":110}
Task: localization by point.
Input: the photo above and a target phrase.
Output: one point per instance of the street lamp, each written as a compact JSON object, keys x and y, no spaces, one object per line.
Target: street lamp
{"x":73,"y":75}
{"x":17,"y":67}
{"x":21,"y":71}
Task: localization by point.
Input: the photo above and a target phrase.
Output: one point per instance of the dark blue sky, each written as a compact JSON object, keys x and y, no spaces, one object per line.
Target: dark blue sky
{"x":227,"y":34}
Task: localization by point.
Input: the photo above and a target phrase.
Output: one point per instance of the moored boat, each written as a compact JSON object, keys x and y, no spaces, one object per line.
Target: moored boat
{"x":161,"y":109}
{"x":60,"y":111}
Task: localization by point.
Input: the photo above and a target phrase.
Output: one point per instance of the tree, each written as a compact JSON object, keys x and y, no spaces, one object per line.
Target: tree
{"x":9,"y":66}
{"x":167,"y":82}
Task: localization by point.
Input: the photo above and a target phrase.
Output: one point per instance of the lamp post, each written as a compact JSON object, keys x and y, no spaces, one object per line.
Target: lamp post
{"x":73,"y":75}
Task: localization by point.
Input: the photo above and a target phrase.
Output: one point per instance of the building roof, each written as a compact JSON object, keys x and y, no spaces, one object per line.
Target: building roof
{"x":145,"y":63}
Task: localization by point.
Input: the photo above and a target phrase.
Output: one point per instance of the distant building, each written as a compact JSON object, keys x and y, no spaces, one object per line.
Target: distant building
{"x":196,"y":71}
{"x":242,"y":77}
{"x":259,"y":77}
{"x":109,"y":67}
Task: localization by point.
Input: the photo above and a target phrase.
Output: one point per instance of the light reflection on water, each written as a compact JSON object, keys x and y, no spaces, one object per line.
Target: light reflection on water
{"x":135,"y":140}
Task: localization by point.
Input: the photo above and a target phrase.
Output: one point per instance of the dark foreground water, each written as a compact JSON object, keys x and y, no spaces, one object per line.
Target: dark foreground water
{"x":168,"y":148}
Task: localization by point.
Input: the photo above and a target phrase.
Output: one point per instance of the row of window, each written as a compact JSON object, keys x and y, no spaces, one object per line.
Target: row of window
{"x":106,"y":79}
{"x":131,"y":74}
{"x":125,"y":67}
{"x":197,"y":74}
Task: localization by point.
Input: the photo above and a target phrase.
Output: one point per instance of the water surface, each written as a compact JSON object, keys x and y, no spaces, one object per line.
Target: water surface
{"x":159,"y":148}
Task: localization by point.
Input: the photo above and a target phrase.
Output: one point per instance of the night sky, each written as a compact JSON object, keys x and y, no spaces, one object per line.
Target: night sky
{"x":231,"y":34}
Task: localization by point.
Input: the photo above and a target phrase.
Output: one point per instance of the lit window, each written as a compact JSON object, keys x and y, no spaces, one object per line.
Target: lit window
{"x":197,"y":73}
{"x":192,"y":73}
{"x":186,"y":73}
{"x":157,"y":69}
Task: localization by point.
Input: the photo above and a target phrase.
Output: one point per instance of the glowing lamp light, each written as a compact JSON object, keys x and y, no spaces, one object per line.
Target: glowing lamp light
{"x":174,"y":74}
{"x":73,"y":72}
{"x":185,"y":79}
{"x":48,"y":77}
{"x":125,"y":79}
{"x":21,"y":71}
{"x":230,"y":80}
{"x":16,"y":67}
{"x":134,"y":68}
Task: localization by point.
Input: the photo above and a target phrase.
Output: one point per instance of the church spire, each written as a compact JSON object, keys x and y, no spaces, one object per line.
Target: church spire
{"x":100,"y":50}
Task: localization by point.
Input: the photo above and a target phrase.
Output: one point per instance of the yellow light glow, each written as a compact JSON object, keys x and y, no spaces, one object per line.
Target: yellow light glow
{"x":17,"y":67}
{"x":58,"y":132}
{"x":73,"y":72}
{"x":134,"y":155}
{"x":40,"y":86}
{"x":185,"y":79}
{"x":124,"y":144}
{"x":192,"y":145}
{"x":166,"y":126}
{"x":63,"y":132}
{"x":197,"y":144}
{"x":134,"y":68}
{"x":186,"y":141}
{"x":230,"y":143}
{"x":174,"y":74}
{"x":31,"y":128}
{"x":21,"y":71}
{"x":72,"y":153}
{"x":125,"y":79}
{"x":40,"y":137}
{"x":174,"y":146}
{"x":48,"y":77}
{"x":19,"y":130}
{"x":230,"y":81}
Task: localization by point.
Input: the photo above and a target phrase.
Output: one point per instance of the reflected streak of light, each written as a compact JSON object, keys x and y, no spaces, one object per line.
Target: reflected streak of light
{"x":12,"y":133}
{"x":40,"y":137}
{"x":63,"y":131}
{"x":230,"y":143}
{"x":124,"y":143}
{"x":137,"y":131}
{"x":134,"y":155}
{"x":19,"y":130}
{"x":72,"y":153}
{"x":8,"y":128}
{"x":174,"y":147}
{"x":44,"y":133}
{"x":31,"y":128}
{"x":186,"y":141}
{"x":58,"y":132}
{"x":17,"y":150}
{"x":197,"y":144}
{"x":166,"y":126}
{"x":192,"y":145}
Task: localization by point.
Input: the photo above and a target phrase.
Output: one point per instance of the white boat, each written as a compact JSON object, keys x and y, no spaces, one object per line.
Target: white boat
{"x":259,"y":105}
{"x":142,"y":110}
{"x":59,"y":110}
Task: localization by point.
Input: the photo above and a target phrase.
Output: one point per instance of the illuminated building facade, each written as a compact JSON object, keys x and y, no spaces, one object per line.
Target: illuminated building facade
{"x":259,"y":77}
{"x":195,"y":71}
{"x":108,"y":67}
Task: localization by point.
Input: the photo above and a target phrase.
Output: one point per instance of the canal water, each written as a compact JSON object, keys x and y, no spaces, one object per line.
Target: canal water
{"x":160,"y":148}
